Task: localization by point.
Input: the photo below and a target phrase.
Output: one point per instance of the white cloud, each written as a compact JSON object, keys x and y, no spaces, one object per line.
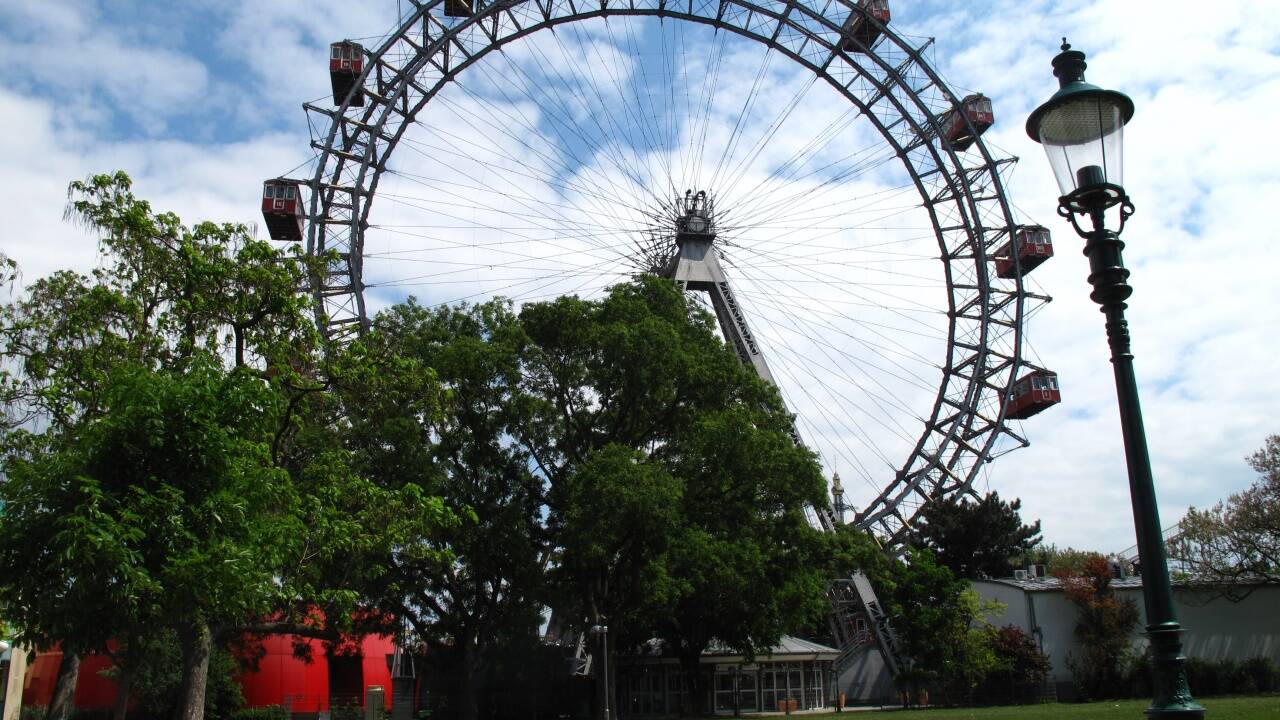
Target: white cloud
{"x":1202,"y":245}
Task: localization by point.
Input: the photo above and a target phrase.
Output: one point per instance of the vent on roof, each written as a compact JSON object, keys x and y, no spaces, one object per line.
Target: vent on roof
{"x":1019,"y":574}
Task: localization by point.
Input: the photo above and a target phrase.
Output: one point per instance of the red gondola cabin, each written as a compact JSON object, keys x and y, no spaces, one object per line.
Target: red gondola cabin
{"x":1036,"y":391}
{"x":977,"y":109}
{"x":282,"y":209}
{"x":346,"y":63}
{"x":1034,"y":247}
{"x":861,"y":33}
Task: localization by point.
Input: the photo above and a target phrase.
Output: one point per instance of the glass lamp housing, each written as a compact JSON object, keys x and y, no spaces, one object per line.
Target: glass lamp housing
{"x":1083,"y":138}
{"x":1081,"y":128}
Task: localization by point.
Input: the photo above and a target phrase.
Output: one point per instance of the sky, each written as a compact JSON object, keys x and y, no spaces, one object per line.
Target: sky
{"x":531,"y":176}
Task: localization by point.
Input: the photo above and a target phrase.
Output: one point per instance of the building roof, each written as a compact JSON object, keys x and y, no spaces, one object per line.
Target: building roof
{"x":1134,"y":582}
{"x":787,"y":647}
{"x":1050,"y":584}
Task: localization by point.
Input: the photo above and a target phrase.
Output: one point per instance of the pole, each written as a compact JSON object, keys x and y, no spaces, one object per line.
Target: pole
{"x":1109,"y":278}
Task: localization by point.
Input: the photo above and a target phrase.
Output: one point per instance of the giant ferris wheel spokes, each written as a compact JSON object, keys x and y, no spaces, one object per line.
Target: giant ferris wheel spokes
{"x":877,"y":257}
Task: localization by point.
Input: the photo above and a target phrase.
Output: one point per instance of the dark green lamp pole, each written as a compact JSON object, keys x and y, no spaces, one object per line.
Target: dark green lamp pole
{"x":1082,"y":128}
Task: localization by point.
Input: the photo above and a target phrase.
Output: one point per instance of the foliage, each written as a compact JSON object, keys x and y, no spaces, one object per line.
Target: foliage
{"x":975,"y":539}
{"x":675,"y":491}
{"x":157,"y":681}
{"x":1104,"y":629}
{"x":1057,"y":561}
{"x":939,"y":621}
{"x":1235,"y":546}
{"x":267,"y":712}
{"x":1020,"y":667}
{"x":430,"y":402}
{"x":147,"y":405}
{"x":1232,"y":677}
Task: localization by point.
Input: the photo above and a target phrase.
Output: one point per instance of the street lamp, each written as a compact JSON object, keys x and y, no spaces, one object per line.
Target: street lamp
{"x":1082,"y":128}
{"x":603,"y":630}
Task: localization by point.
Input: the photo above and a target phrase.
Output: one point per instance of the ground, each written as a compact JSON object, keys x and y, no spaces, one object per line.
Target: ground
{"x":1258,"y":707}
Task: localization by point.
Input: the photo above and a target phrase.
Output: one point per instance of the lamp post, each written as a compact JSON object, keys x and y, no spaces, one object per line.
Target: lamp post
{"x":603,"y":631}
{"x":1082,"y":128}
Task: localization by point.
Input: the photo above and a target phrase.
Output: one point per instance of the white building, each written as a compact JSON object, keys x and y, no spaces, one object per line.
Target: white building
{"x":1215,"y":628}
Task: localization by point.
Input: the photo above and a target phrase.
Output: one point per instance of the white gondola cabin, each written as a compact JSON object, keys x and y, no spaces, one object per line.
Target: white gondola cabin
{"x":977,"y":110}
{"x":1036,"y":391}
{"x":458,"y":8}
{"x":1033,"y":245}
{"x":346,"y":63}
{"x":282,"y":209}
{"x":861,"y":33}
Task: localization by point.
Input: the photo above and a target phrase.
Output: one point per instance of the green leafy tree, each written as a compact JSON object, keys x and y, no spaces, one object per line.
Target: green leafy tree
{"x":146,"y":402}
{"x":939,"y":622}
{"x":676,"y":496}
{"x":976,"y":539}
{"x":1235,"y":546}
{"x":1104,"y":628}
{"x":431,"y":401}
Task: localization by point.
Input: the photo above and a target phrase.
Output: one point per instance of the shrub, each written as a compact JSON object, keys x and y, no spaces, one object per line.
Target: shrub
{"x":1020,"y":671}
{"x":1232,"y":677}
{"x":1264,"y":672}
{"x":267,"y":712}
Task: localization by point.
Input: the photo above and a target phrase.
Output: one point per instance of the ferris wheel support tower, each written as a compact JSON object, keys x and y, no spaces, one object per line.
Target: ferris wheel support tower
{"x":696,"y":266}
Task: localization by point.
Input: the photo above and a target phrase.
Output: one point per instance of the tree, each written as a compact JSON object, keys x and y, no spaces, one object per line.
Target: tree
{"x":1020,"y":667}
{"x":939,"y":622}
{"x":676,"y":495}
{"x":1104,"y":629}
{"x":146,"y":403}
{"x":976,"y":539}
{"x":430,"y":405}
{"x":1235,"y":546}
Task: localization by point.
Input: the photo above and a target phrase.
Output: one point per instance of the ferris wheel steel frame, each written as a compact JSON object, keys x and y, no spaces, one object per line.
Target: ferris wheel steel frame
{"x":891,"y":84}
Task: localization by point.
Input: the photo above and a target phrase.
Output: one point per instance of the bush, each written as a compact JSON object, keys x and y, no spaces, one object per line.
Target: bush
{"x":267,"y":712}
{"x":33,"y":712}
{"x":1232,"y":677}
{"x":1265,"y":673}
{"x":1020,"y":672}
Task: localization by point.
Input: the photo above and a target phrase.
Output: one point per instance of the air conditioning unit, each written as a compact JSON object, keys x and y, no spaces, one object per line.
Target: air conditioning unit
{"x":1019,"y":574}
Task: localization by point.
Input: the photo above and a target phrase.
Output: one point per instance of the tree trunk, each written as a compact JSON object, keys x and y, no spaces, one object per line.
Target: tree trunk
{"x":196,"y":644}
{"x":64,"y":688}
{"x":124,"y":680}
{"x":469,"y":666}
{"x":691,"y":664}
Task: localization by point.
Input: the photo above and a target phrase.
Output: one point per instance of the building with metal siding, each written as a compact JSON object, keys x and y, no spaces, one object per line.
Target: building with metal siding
{"x":1216,"y":628}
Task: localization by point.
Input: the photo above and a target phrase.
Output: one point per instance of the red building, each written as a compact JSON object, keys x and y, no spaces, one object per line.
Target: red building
{"x":281,"y":678}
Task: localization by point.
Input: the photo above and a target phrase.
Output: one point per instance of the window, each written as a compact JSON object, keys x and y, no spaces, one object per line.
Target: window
{"x":815,"y":687}
{"x":289,"y":192}
{"x":337,"y":52}
{"x":724,"y":691}
{"x":747,"y":692}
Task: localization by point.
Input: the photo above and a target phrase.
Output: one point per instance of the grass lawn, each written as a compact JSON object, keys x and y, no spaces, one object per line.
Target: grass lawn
{"x":1256,"y":707}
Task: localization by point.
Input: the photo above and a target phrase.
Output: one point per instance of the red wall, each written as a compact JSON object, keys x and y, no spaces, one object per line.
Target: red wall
{"x":281,"y":679}
{"x":92,"y":689}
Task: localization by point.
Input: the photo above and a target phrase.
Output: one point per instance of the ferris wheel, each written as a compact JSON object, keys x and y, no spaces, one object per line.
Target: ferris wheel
{"x":816,"y":178}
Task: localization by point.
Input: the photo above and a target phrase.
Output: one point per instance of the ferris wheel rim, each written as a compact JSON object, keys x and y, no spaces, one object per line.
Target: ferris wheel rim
{"x":951,"y":464}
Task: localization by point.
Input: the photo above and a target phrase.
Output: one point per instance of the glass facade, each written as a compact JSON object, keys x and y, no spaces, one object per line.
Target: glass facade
{"x":660,"y":688}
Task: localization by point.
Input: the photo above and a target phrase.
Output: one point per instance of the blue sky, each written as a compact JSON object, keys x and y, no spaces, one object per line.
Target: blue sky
{"x":202,"y":100}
